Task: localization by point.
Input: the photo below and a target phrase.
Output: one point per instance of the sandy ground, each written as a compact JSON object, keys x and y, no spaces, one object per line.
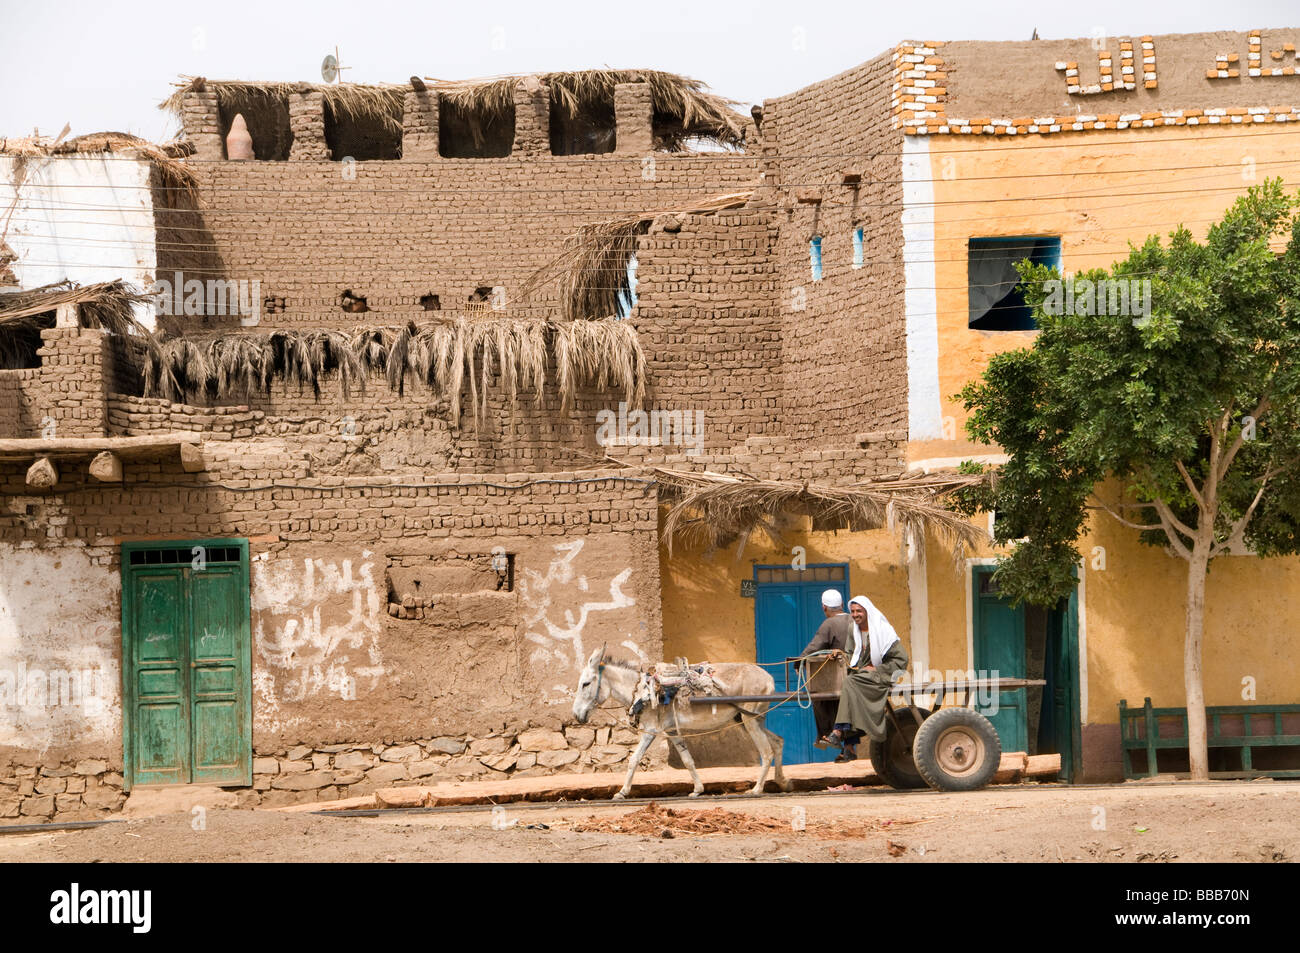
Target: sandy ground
{"x":1136,"y":822}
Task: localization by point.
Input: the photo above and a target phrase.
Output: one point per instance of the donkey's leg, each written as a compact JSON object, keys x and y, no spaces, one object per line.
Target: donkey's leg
{"x":778,"y":746}
{"x":687,"y":760}
{"x":759,"y":736}
{"x":647,"y":737}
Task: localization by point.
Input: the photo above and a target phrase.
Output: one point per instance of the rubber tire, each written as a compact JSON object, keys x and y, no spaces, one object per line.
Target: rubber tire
{"x":925,"y":750}
{"x":899,"y":777}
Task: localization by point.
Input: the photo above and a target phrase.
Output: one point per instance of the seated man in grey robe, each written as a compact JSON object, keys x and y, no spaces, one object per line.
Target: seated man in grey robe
{"x":876,"y":656}
{"x":832,"y":635}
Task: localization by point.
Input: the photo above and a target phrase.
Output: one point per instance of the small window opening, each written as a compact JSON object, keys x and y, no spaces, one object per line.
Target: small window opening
{"x":996,"y":301}
{"x":352,"y":304}
{"x":364,"y":136}
{"x":473,"y":132}
{"x":430,"y":302}
{"x":627,"y":291}
{"x":857,"y":248}
{"x":815,"y":257}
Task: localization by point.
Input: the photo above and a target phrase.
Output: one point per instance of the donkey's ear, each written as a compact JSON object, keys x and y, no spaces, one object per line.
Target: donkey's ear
{"x":596,"y":656}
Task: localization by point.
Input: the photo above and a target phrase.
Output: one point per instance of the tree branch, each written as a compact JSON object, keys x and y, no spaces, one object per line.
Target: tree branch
{"x":1196,"y":494}
{"x":1179,"y":547}
{"x":1171,"y":521}
{"x":1260,"y":409}
{"x":1240,"y":525}
{"x":1142,"y":526}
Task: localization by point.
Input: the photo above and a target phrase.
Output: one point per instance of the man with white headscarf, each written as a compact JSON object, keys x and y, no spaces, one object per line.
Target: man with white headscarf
{"x":876,"y":655}
{"x":832,"y":635}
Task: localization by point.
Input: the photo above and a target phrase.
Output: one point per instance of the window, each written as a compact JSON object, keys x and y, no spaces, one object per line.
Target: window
{"x":627,"y":291}
{"x":996,"y":303}
{"x":857,"y":248}
{"x":815,"y":257}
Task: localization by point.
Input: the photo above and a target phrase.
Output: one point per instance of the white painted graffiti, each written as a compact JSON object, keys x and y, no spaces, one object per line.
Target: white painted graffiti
{"x":317,"y":627}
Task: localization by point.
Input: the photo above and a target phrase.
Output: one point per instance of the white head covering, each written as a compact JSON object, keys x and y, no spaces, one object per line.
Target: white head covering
{"x":832,"y":599}
{"x":880,"y":634}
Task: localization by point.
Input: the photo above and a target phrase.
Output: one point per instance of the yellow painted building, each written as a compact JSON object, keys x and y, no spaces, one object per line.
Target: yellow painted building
{"x":1088,"y":180}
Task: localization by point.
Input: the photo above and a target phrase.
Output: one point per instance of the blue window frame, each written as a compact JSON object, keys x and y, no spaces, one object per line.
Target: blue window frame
{"x":815,"y":257}
{"x":857,"y":248}
{"x":996,"y":302}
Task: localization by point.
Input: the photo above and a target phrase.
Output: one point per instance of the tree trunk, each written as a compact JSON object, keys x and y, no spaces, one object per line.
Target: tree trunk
{"x":1193,"y":681}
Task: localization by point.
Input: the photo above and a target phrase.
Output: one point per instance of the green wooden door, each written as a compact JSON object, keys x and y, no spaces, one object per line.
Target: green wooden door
{"x":999,"y":637}
{"x":187,"y":663}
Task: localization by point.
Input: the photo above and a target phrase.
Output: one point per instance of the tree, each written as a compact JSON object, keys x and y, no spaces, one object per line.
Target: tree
{"x":1191,"y":401}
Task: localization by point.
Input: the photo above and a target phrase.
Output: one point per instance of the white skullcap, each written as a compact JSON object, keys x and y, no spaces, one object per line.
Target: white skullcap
{"x":832,"y":599}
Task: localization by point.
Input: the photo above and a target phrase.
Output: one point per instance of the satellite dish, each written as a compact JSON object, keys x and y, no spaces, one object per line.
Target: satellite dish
{"x":329,"y":68}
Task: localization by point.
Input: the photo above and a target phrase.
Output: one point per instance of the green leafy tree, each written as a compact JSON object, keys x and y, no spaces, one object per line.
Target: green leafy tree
{"x":1192,"y":404}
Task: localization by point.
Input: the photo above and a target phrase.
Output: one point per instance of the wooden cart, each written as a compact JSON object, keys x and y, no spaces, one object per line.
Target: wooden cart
{"x":948,"y":745}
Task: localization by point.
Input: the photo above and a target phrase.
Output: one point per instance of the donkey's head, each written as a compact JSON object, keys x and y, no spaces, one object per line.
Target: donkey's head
{"x":592,"y":687}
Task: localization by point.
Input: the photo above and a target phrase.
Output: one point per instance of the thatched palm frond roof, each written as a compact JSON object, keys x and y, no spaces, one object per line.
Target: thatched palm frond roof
{"x":716,"y":508}
{"x":380,"y":103}
{"x":683,"y":107}
{"x":24,"y":314}
{"x":591,"y":268}
{"x":107,"y":304}
{"x":445,"y":356}
{"x":165,"y":156}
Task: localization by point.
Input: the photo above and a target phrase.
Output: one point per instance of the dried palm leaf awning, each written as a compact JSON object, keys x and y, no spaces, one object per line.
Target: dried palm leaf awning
{"x":379,"y":103}
{"x":684,"y":109}
{"x":714,"y":509}
{"x":444,"y":356}
{"x":165,"y":157}
{"x":591,"y":268}
{"x":24,"y":314}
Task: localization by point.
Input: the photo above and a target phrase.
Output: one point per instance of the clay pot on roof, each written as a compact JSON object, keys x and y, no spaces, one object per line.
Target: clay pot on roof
{"x":239,"y":144}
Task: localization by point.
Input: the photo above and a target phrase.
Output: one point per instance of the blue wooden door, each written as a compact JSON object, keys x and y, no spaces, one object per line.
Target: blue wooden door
{"x":787,"y":612}
{"x":999,"y":637}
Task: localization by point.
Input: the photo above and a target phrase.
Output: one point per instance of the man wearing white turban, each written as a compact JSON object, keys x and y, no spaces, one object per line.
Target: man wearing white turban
{"x":876,"y":655}
{"x":832,"y":635}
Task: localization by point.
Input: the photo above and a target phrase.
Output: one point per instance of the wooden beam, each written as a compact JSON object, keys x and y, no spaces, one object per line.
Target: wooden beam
{"x":125,"y":447}
{"x":43,"y":474}
{"x":106,"y":467}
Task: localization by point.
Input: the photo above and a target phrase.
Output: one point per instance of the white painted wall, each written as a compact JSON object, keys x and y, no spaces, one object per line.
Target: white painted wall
{"x":920,"y":296}
{"x":87,"y":218}
{"x":60,"y":638}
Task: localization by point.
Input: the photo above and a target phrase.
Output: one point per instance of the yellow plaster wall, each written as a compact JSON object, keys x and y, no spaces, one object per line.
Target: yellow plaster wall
{"x":706,"y":618}
{"x":1075,"y":186}
{"x":1098,"y":191}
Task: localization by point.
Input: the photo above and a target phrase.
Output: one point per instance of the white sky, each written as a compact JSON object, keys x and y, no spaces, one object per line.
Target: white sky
{"x":104,"y":65}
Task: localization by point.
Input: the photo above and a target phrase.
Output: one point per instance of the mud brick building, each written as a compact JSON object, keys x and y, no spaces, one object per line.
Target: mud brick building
{"x":300,"y":550}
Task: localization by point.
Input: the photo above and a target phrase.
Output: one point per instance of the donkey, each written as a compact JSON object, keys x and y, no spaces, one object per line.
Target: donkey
{"x":604,"y":678}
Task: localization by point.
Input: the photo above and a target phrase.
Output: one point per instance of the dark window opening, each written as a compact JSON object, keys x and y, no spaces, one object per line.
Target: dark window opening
{"x":267,"y":118}
{"x":430,"y":302}
{"x":470,"y":133}
{"x":20,"y":340}
{"x":590,"y":132}
{"x":352,"y":304}
{"x":184,"y":556}
{"x":996,"y":302}
{"x":363,"y":137}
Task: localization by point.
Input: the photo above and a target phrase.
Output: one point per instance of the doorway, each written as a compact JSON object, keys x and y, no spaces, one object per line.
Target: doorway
{"x":186,"y":663}
{"x":1030,"y":642}
{"x":787,"y":612}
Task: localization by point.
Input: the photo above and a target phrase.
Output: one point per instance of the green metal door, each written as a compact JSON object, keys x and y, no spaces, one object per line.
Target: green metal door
{"x":999,"y":637}
{"x":186,"y":663}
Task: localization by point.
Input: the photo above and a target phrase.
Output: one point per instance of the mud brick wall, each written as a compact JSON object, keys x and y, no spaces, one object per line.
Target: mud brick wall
{"x":812,"y":139}
{"x":401,"y":230}
{"x":708,"y":321}
{"x":16,"y":418}
{"x":68,"y":388}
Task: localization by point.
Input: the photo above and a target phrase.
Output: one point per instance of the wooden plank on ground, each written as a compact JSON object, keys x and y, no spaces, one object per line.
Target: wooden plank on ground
{"x":1043,"y":766}
{"x":602,"y":785}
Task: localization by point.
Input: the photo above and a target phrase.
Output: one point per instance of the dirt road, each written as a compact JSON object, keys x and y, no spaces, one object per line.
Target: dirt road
{"x":1142,"y":822}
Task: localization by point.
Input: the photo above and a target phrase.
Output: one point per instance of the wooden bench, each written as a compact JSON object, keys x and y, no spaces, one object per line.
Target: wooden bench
{"x":1140,"y":730}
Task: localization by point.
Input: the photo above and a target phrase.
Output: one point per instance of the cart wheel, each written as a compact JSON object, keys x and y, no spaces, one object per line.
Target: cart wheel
{"x":957,"y":749}
{"x":892,"y":758}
